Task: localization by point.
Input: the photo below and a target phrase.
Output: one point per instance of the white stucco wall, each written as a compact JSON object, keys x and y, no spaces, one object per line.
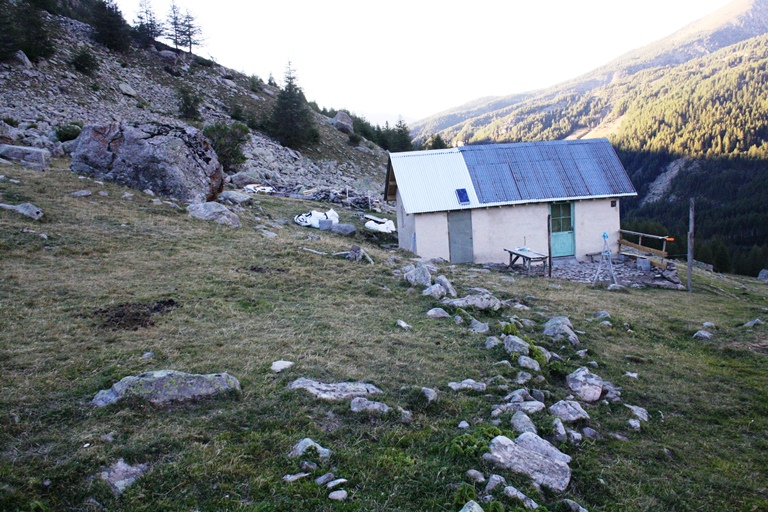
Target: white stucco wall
{"x":508,"y":227}
{"x":432,"y":235}
{"x":406,"y":227}
{"x":591,"y":219}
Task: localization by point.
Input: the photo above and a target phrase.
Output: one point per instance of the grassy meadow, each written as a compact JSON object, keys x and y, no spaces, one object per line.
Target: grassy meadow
{"x":117,"y":278}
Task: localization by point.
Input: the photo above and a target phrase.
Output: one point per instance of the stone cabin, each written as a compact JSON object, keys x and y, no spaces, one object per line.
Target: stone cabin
{"x":468,"y":204}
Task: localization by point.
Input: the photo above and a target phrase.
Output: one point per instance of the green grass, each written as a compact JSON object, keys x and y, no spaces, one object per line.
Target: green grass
{"x":705,"y":448}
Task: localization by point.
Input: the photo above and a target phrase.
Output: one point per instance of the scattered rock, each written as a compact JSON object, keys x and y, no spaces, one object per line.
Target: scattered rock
{"x":338,"y":391}
{"x":475,"y":476}
{"x":568,"y":411}
{"x":560,"y":327}
{"x":120,"y":475}
{"x":81,"y":193}
{"x":573,"y":506}
{"x":522,"y":423}
{"x":436,"y":291}
{"x":307,"y":465}
{"x":345,"y":230}
{"x":438,"y":313}
{"x":587,"y":386}
{"x":471,"y":506}
{"x":163,"y":386}
{"x":484,"y":301}
{"x":446,"y":284}
{"x":360,"y":404}
{"x":754,"y":322}
{"x":36,"y":158}
{"x":634,"y":424}
{"x":322,"y":480}
{"x":214,"y":211}
{"x":279,"y":366}
{"x":591,"y":433}
{"x":478,"y":327}
{"x":338,"y":495}
{"x":401,"y":323}
{"x":127,"y":90}
{"x":491,"y":342}
{"x":522,"y":377}
{"x":703,"y":335}
{"x":528,"y":363}
{"x":293,"y":478}
{"x":631,"y":375}
{"x":233,"y":197}
{"x":532,"y":456}
{"x":513,"y":493}
{"x":639,"y":412}
{"x":494,"y":481}
{"x":305,"y":444}
{"x":602,"y":315}
{"x":558,"y":431}
{"x":468,"y":384}
{"x":405,"y":415}
{"x":708,"y":325}
{"x":430,"y":394}
{"x":515,"y":345}
{"x":336,"y":483}
{"x":27,"y":209}
{"x":463,"y":425}
{"x":419,"y":276}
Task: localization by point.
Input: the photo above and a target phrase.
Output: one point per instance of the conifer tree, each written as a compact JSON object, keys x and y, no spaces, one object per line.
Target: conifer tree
{"x":111,"y":29}
{"x":174,"y":23}
{"x":290,"y":121}
{"x":147,"y":28}
{"x":191,"y":34}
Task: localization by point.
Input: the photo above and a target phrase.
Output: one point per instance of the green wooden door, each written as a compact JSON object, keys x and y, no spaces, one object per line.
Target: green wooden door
{"x":563,"y":240}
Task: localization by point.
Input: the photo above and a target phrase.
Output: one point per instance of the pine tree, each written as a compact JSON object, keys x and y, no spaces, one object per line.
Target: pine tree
{"x":175,"y":25}
{"x":111,"y":29}
{"x":436,"y":142}
{"x":291,"y":119}
{"x":147,"y":28}
{"x":22,"y":27}
{"x":191,"y":34}
{"x":401,"y":138}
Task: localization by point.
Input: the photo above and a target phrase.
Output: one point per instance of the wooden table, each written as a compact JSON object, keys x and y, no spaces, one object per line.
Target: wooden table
{"x":528,"y":256}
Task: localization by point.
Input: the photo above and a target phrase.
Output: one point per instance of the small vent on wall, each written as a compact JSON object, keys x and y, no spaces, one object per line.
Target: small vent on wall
{"x":461,"y":194}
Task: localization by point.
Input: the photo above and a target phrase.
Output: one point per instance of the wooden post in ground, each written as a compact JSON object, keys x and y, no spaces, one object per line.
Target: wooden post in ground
{"x":549,"y":243}
{"x":690,"y":247}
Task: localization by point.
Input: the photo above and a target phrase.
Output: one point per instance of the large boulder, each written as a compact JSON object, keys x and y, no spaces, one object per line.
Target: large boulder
{"x":163,"y":386}
{"x":560,"y":327}
{"x":343,"y":123}
{"x":584,"y":384}
{"x":533,"y":456}
{"x":37,"y":158}
{"x":763,"y":276}
{"x":178,"y":162}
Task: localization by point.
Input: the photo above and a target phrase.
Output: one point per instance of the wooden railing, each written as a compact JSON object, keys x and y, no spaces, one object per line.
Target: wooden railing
{"x":662,"y":253}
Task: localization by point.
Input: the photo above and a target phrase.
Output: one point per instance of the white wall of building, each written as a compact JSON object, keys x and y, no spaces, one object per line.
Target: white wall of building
{"x":508,"y":227}
{"x":591,"y":219}
{"x":432,"y":235}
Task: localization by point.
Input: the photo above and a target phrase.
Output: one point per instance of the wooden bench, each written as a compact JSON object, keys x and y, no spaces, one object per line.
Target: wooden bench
{"x":528,"y":256}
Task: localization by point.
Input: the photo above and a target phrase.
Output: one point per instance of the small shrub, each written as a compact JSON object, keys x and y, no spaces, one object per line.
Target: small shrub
{"x":465,"y":493}
{"x":189,"y":103}
{"x":254,"y":83}
{"x":202,"y":61}
{"x":510,"y":329}
{"x":67,"y":132}
{"x":85,"y":62}
{"x":354,"y":139}
{"x":227,"y":140}
{"x":537,"y":355}
{"x":494,"y":506}
{"x":11,"y":121}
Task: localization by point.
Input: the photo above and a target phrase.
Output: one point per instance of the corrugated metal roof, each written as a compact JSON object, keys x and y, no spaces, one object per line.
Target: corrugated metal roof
{"x":428,"y":180}
{"x":505,"y":174}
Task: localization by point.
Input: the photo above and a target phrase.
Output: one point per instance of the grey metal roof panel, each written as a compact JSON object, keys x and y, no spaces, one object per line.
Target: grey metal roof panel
{"x":541,"y":171}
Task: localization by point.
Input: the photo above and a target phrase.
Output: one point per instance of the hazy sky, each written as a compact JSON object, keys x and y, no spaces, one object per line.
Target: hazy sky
{"x":415,"y":58}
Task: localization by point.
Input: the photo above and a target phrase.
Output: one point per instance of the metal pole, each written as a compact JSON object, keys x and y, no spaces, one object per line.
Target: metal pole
{"x":549,"y":243}
{"x":690,"y":246}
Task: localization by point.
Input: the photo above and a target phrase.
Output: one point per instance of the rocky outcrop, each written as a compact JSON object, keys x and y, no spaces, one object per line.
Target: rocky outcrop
{"x":178,"y":162}
{"x":335,"y":391}
{"x":533,"y":456}
{"x":35,"y":158}
{"x":343,"y":123}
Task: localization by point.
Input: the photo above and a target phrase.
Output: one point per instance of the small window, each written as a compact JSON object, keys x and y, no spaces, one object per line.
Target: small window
{"x":461,"y":193}
{"x":613,"y":204}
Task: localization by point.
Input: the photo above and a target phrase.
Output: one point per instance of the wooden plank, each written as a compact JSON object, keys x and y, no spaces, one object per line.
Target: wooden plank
{"x":639,"y":247}
{"x":657,"y":237}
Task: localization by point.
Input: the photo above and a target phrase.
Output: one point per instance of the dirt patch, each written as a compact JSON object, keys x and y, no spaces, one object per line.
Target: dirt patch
{"x":132,"y":315}
{"x":759,"y":346}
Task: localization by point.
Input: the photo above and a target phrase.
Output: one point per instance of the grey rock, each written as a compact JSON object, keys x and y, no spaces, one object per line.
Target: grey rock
{"x":305,"y":444}
{"x":120,"y":475}
{"x":539,"y":395}
{"x":708,"y":325}
{"x":611,"y":392}
{"x":478,"y":327}
{"x":639,"y":412}
{"x":26,"y":209}
{"x":36,"y":158}
{"x":336,"y":483}
{"x":703,"y":335}
{"x":528,"y":363}
{"x":214,"y":211}
{"x":574,"y":437}
{"x":560,"y":327}
{"x":471,"y":506}
{"x":568,"y":411}
{"x":475,"y":476}
{"x":249,"y":177}
{"x":494,"y":481}
{"x":491,"y":342}
{"x":532,"y":456}
{"x":168,"y":56}
{"x":438,"y":313}
{"x":343,"y":123}
{"x":754,"y":322}
{"x":127,"y":90}
{"x":436,"y":291}
{"x":615,"y":287}
{"x":337,"y":391}
{"x":458,"y":320}
{"x":405,"y":415}
{"x":324,"y":479}
{"x":573,"y":506}
{"x":294,"y":477}
{"x":338,"y":495}
{"x":591,"y":433}
{"x":81,"y":193}
{"x":522,"y":378}
{"x":522,"y":423}
{"x":163,"y":386}
{"x":234,"y":197}
{"x":513,"y":493}
{"x":430,"y":394}
{"x":173,"y":161}
{"x":361,"y":404}
{"x":529,"y":406}
{"x":602,"y":315}
{"x":763,"y":275}
{"x":558,"y":431}
{"x":22,"y":58}
{"x":484,"y":301}
{"x":634,"y":423}
{"x":587,"y":386}
{"x":279,"y":366}
{"x":446,"y":284}
{"x":307,"y":465}
{"x":515,"y":345}
{"x":419,"y":276}
{"x":467,"y":384}
{"x":519,"y":395}
{"x":403,"y":325}
{"x":618,"y":436}
{"x":463,"y":425}
{"x":345,"y":230}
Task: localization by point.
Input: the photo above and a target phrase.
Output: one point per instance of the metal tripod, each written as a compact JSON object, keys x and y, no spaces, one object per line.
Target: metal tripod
{"x":605,"y":261}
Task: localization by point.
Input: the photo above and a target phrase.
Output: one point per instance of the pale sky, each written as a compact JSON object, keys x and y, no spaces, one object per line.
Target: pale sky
{"x":415,"y":58}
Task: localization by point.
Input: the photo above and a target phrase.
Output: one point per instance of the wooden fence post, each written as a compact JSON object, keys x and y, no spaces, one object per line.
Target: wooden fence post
{"x":690,"y":247}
